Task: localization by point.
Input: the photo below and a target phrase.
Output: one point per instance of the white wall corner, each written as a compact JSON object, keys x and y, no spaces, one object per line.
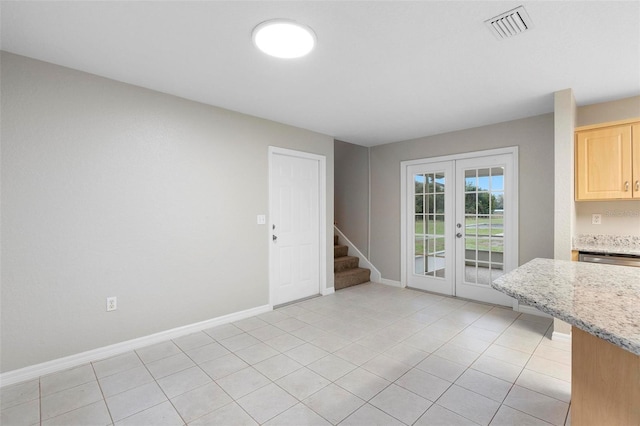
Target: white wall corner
{"x":561,"y":337}
{"x":565,"y":116}
{"x":565,"y":113}
{"x":526,"y":309}
{"x":328,"y":290}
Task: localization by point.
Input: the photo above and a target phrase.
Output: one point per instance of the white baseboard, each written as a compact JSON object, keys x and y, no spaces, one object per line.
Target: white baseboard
{"x":392,"y":283}
{"x":561,"y":337}
{"x":37,"y":370}
{"x":328,"y":291}
{"x":532,"y":311}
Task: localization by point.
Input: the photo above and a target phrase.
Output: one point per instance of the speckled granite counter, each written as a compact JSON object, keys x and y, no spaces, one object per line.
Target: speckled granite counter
{"x":603,"y":300}
{"x":628,"y":244}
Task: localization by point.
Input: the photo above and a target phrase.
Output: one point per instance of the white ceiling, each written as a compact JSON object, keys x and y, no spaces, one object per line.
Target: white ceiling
{"x":383,"y":71}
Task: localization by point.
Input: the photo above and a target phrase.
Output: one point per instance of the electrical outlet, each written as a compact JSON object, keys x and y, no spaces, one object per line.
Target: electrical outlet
{"x":596,"y":219}
{"x":112,"y":303}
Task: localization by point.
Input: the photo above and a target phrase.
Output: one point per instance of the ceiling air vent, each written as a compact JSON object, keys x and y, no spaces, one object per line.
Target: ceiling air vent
{"x":509,"y":24}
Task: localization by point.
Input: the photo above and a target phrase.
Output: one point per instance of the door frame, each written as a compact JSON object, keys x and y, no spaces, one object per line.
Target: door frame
{"x":404,"y":165}
{"x":322,"y":216}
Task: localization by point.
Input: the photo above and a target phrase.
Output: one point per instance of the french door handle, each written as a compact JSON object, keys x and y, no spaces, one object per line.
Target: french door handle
{"x":274,"y":237}
{"x":459,"y":235}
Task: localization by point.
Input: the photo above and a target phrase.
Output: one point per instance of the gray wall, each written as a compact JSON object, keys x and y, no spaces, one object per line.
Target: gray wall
{"x":621,"y":109}
{"x":534,"y":137}
{"x":618,"y":217}
{"x":352,"y":193}
{"x":113,"y":190}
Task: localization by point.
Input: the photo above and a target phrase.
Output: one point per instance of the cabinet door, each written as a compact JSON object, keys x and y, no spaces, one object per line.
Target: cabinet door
{"x":603,"y":163}
{"x":635,"y":135}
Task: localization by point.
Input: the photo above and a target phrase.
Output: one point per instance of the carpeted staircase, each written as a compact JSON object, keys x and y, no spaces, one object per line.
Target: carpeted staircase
{"x":345,"y":268}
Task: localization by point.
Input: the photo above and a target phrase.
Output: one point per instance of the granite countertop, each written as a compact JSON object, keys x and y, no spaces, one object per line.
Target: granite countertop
{"x":626,"y":244}
{"x":603,"y":300}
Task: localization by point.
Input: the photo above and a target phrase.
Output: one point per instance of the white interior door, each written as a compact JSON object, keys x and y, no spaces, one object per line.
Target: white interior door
{"x":461,"y":225}
{"x":294,"y":199}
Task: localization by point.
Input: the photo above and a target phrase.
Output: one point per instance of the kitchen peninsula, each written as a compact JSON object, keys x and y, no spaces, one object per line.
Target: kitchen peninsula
{"x":602,"y":303}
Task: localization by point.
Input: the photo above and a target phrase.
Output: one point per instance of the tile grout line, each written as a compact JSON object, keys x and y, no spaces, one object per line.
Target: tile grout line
{"x":470,"y":367}
{"x":519,"y":374}
{"x":41,"y":397}
{"x":192,"y":360}
{"x":157,"y":384}
{"x":524,"y":368}
{"x":39,"y":401}
{"x":327,"y":310}
{"x":433,"y":353}
{"x":104,"y":398}
{"x":412,"y":367}
{"x":483,"y":352}
{"x":233,"y":400}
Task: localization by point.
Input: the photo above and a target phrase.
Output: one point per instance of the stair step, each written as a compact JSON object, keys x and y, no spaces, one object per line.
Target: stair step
{"x":351,"y":277}
{"x":344,"y":263}
{"x":340,"y":251}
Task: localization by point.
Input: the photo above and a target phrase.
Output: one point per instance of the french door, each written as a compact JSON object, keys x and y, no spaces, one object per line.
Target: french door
{"x":461,"y":217}
{"x":431,"y":203}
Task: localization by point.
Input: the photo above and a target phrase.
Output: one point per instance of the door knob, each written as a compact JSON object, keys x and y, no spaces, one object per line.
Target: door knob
{"x":459,"y":235}
{"x":274,"y":237}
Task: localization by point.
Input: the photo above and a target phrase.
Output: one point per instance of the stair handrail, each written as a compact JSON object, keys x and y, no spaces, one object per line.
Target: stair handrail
{"x":363,"y":261}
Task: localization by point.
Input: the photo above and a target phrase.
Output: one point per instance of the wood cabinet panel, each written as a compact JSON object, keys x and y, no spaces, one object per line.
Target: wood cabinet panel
{"x":575,"y":255}
{"x":607,"y":164}
{"x":605,"y":382}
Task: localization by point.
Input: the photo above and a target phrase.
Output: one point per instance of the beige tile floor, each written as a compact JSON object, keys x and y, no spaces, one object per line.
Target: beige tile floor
{"x":367,"y":355}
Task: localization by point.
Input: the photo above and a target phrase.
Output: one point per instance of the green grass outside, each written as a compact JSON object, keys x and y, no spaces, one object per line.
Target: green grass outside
{"x":436,"y":229}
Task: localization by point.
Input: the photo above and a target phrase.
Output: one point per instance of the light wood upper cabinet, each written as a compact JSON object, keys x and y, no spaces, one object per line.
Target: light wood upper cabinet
{"x":608,"y":163}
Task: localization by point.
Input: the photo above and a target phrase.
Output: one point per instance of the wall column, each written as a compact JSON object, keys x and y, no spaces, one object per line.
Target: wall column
{"x":565,"y":113}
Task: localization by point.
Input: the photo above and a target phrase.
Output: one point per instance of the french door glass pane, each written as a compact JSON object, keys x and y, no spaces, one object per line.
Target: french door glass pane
{"x":484,"y":224}
{"x":470,"y":178}
{"x":419,"y":246}
{"x":497,"y":179}
{"x":419,"y":184}
{"x":483,"y":180}
{"x":470,"y":204}
{"x":470,"y":272}
{"x":439,"y":182}
{"x":429,"y":226}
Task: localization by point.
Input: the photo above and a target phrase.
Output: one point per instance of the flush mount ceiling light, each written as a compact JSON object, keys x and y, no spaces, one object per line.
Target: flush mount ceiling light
{"x":284,"y":38}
